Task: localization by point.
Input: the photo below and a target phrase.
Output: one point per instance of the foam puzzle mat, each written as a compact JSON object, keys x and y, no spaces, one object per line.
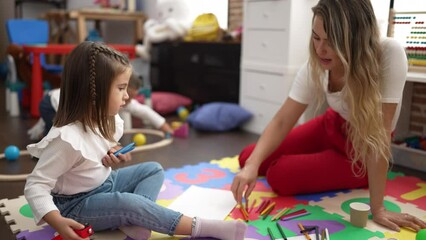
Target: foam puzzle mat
{"x":327,"y":210}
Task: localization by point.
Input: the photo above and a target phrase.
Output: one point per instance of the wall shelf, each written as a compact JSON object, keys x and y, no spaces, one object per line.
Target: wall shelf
{"x":416,"y":77}
{"x":409,"y":157}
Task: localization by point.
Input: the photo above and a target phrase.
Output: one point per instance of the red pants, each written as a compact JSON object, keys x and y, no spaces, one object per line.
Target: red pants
{"x":312,"y":158}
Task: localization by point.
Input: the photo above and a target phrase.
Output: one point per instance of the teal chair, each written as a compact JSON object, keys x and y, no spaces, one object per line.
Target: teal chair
{"x":31,"y":32}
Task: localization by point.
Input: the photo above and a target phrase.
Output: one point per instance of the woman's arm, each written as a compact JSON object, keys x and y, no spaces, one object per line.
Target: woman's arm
{"x":377,"y":175}
{"x":281,"y":124}
{"x":378,"y":168}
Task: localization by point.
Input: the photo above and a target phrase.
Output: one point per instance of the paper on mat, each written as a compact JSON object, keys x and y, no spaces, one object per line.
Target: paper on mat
{"x":202,"y":202}
{"x":300,"y":237}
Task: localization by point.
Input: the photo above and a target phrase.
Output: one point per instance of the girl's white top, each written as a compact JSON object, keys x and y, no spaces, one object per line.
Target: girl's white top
{"x":70,"y":162}
{"x":394,"y":72}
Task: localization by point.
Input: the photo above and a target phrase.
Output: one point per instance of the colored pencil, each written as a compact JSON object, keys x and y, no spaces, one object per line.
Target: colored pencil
{"x":296,"y":214}
{"x":270,"y":234}
{"x":252,"y":206}
{"x":266,"y":214}
{"x":245,"y":216}
{"x":280,"y":213}
{"x":245,"y":213}
{"x":285,"y":218}
{"x":327,"y":236}
{"x":263,"y":205}
{"x":304,"y":231}
{"x":270,"y":206}
{"x":311,"y":228}
{"x":281,"y":231}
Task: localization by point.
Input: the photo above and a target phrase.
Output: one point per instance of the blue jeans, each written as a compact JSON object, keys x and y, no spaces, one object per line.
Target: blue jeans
{"x":126,"y":198}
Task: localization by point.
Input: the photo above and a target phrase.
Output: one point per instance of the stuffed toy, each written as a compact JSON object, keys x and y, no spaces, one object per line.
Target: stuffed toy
{"x":160,"y":31}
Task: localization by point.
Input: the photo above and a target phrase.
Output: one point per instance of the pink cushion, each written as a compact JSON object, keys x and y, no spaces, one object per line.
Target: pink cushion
{"x":166,"y":102}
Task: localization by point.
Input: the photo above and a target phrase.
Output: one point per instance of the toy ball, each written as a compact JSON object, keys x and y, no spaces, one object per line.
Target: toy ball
{"x":182,"y":113}
{"x":421,"y":235}
{"x":139,"y":139}
{"x":176,"y":125}
{"x":11,"y":153}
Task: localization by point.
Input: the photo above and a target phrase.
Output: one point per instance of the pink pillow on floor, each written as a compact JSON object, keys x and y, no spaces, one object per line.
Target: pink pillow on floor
{"x":166,"y":102}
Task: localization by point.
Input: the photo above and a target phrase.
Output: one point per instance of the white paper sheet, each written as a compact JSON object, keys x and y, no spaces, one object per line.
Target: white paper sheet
{"x":202,"y":202}
{"x":301,"y":237}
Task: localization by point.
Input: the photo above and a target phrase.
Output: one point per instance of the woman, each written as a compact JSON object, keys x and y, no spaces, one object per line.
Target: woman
{"x":362,"y":78}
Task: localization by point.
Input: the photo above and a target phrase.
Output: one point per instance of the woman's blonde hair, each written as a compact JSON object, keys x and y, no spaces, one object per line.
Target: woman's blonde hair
{"x":86,"y":81}
{"x":353,"y":34}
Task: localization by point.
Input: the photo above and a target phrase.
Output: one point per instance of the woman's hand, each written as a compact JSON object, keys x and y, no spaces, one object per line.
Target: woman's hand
{"x":245,"y":180}
{"x":395,"y":221}
{"x":110,"y":160}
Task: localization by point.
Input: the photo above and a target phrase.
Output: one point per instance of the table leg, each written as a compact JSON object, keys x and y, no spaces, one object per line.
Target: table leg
{"x":36,"y":86}
{"x":138,"y":30}
{"x":82,"y":30}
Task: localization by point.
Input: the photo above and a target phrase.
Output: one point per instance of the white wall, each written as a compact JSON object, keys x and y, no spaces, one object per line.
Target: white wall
{"x":187,"y":10}
{"x":381,"y":10}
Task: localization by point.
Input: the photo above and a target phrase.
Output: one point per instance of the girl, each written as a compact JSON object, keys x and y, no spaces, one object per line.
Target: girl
{"x":73,"y":183}
{"x":362,"y":78}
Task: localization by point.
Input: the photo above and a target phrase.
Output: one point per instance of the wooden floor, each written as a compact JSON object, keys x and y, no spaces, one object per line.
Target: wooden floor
{"x":198,"y":147}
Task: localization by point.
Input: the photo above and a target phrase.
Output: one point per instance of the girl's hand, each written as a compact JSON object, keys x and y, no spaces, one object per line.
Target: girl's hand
{"x":110,"y":160}
{"x":245,"y":180}
{"x":395,"y":221}
{"x":166,"y":128}
{"x":66,"y":226}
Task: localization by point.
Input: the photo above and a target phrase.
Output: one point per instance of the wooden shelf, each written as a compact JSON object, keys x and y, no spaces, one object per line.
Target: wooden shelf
{"x":409,"y":157}
{"x":416,"y":76}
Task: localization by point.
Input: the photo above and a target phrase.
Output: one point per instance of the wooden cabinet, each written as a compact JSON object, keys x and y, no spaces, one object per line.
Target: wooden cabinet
{"x":202,"y":71}
{"x":275,"y":45}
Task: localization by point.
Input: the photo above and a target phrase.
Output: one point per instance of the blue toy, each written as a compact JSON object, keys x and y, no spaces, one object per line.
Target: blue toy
{"x":11,"y":153}
{"x":125,"y":149}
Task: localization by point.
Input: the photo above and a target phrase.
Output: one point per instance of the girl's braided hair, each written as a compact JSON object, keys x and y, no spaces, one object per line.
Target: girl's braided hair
{"x":94,"y":51}
{"x":86,"y":85}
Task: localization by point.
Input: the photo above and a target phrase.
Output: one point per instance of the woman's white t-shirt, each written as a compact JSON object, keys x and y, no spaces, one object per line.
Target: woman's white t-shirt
{"x":394,"y":71}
